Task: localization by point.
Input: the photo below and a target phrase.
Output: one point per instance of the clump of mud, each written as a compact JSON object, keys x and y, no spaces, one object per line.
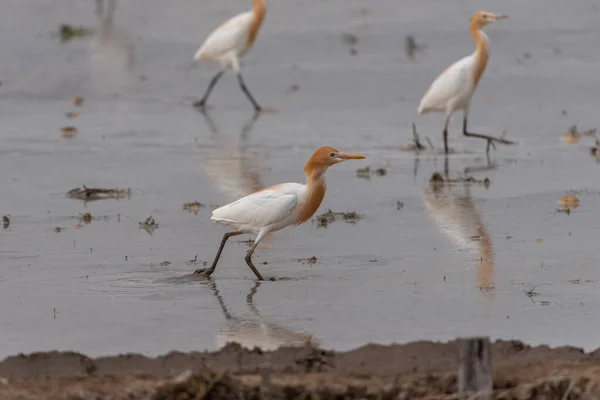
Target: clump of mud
{"x":309,"y":260}
{"x":90,"y":194}
{"x":329,"y":217}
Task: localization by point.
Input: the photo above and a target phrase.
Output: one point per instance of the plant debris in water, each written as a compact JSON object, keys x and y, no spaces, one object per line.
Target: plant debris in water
{"x":90,"y":194}
{"x":249,"y":242}
{"x":6,"y":221}
{"x":366,"y":172}
{"x":68,"y":32}
{"x":595,"y":150}
{"x":149,"y":225}
{"x":350,"y":40}
{"x":193,"y":207}
{"x":195,"y":261}
{"x":328,"y":217}
{"x":438,"y":179}
{"x":88,"y":217}
{"x":72,"y":114}
{"x":531,"y":292}
{"x":309,"y":260}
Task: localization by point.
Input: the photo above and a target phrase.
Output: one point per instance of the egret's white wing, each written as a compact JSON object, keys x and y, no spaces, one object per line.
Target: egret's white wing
{"x":450,"y":84}
{"x":262,"y":208}
{"x":231,"y":35}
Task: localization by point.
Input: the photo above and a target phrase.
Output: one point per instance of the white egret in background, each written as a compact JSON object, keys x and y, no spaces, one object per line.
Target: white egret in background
{"x":454,"y":88}
{"x":453,"y":210}
{"x":228,"y":43}
{"x":278,"y":206}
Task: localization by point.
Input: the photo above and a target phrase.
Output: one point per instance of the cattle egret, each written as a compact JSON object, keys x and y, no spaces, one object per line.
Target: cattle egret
{"x":454,"y":88}
{"x":230,"y":41}
{"x":278,"y":206}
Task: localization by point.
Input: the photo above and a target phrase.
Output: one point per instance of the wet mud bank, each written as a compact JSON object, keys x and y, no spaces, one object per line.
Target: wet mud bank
{"x":416,"y":370}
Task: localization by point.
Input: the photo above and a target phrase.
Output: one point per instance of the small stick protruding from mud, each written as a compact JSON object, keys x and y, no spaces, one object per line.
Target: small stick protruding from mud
{"x":475,"y":369}
{"x":418,"y":144}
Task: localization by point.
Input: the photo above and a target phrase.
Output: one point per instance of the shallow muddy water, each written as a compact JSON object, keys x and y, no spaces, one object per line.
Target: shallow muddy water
{"x":450,"y":262}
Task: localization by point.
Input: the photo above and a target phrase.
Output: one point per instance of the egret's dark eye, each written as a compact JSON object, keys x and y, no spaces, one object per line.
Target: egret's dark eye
{"x":485,"y":16}
{"x":332,"y":155}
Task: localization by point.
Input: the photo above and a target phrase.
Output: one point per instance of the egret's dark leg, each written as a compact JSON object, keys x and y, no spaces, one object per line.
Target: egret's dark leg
{"x":208,"y":272}
{"x":209,"y":89}
{"x":490,"y":139}
{"x":257,"y":107}
{"x":249,"y":258}
{"x":448,"y":115}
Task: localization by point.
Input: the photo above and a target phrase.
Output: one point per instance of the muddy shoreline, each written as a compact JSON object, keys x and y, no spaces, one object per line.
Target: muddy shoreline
{"x":421,"y":369}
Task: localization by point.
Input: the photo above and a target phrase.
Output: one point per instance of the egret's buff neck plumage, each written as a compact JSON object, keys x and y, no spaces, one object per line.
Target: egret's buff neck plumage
{"x":258,"y":15}
{"x":481,"y":46}
{"x":315,"y":188}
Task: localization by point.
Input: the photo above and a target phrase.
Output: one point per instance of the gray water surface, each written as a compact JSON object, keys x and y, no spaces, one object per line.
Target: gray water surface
{"x":451,"y":262}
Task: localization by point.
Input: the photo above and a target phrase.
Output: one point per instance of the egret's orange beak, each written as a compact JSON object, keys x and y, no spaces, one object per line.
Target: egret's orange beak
{"x":346,"y":156}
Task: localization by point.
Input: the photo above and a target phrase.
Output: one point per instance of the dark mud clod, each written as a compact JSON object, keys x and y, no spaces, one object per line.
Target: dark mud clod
{"x":90,"y":194}
{"x":327,"y":218}
{"x":436,"y":177}
{"x":6,"y":221}
{"x":193,"y":207}
{"x":149,"y":225}
{"x":85,"y":217}
{"x":595,"y":150}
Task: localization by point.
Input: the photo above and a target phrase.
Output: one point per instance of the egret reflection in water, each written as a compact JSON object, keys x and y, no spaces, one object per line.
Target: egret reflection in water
{"x":253,"y":330}
{"x":231,"y":165}
{"x":112,"y":51}
{"x":452,"y":209}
